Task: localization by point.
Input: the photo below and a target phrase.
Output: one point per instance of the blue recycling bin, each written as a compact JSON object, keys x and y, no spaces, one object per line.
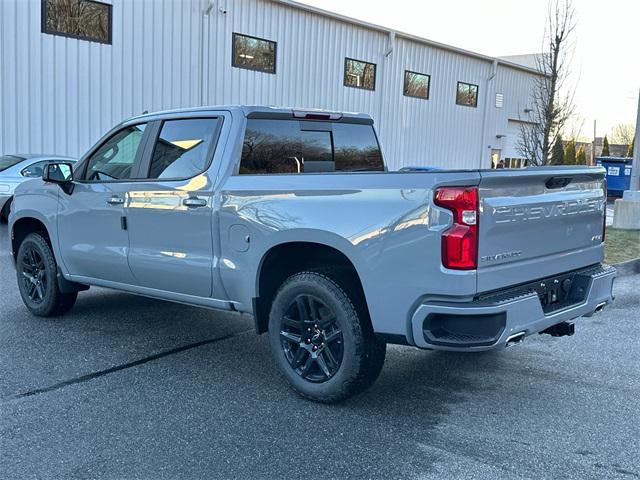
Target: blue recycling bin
{"x":618,"y":174}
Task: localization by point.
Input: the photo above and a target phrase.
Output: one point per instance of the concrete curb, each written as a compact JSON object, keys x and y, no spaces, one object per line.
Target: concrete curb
{"x":628,"y":268}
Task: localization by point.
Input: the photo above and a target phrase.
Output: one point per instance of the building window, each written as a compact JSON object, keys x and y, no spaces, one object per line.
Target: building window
{"x":416,"y":84}
{"x":467,"y":94}
{"x":254,"y":53}
{"x":82,"y":19}
{"x":359,"y":74}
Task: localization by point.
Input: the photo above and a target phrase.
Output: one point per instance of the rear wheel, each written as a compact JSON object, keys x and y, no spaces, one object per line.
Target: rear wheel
{"x":37,"y":271}
{"x":321,"y":342}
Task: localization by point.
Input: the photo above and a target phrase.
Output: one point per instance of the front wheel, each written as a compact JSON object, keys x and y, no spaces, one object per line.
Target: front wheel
{"x":321,"y":342}
{"x":37,"y":279}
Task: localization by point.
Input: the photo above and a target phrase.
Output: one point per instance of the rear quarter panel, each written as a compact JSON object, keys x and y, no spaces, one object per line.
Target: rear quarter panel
{"x":384,"y":223}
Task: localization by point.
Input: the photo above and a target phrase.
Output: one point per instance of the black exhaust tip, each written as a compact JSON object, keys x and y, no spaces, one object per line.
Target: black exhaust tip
{"x":560,"y":330}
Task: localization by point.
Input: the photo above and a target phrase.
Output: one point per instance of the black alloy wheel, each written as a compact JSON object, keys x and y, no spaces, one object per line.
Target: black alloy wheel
{"x":311,"y":339}
{"x":36,"y":271}
{"x":321,"y":336}
{"x":34,"y":275}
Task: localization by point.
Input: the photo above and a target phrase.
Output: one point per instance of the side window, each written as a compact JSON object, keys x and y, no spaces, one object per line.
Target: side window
{"x":356,"y":148}
{"x":35,"y":170}
{"x":183,"y":148}
{"x":280,"y":146}
{"x":115,"y":158}
{"x":291,"y":146}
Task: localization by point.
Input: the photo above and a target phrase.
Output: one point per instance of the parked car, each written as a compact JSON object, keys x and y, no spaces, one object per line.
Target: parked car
{"x":15,"y":169}
{"x":291,"y":216}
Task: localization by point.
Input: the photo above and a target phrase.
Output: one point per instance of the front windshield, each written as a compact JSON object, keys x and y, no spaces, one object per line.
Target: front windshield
{"x":8,"y":161}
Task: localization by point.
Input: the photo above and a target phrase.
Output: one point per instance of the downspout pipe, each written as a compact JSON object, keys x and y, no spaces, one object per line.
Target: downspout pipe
{"x":382,"y":72}
{"x":205,"y":13}
{"x":392,"y":44}
{"x":485,"y":117}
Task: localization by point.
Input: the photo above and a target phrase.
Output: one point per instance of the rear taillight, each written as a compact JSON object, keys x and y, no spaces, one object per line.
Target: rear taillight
{"x":460,"y":241}
{"x":604,"y":221}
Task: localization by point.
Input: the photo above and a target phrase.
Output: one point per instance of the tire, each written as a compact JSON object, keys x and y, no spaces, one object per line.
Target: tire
{"x":37,"y":271}
{"x":321,"y":342}
{"x":4,"y":214}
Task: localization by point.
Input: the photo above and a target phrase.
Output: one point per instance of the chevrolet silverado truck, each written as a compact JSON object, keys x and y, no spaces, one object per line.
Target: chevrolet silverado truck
{"x":292,"y":217}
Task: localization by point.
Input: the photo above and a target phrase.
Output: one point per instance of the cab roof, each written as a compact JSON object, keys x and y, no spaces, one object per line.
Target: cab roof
{"x":262,"y":111}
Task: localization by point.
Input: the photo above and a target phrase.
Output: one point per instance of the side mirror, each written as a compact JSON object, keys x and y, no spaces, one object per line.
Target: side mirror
{"x":58,"y":172}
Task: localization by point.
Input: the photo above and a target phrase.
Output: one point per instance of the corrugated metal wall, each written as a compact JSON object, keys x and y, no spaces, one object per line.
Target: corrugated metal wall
{"x":59,"y":94}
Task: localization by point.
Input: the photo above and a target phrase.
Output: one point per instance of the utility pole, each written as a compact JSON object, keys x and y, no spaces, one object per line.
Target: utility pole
{"x":627,"y":209}
{"x":593,"y":144}
{"x":635,"y":170}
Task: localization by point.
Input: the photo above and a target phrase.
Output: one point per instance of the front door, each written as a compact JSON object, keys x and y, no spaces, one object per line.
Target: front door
{"x":170,"y":215}
{"x":92,"y":230}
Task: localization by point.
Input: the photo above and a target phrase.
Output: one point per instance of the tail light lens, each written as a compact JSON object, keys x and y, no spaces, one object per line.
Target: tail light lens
{"x":460,"y":241}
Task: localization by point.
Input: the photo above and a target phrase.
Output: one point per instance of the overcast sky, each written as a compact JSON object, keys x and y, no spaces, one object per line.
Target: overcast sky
{"x":606,"y":59}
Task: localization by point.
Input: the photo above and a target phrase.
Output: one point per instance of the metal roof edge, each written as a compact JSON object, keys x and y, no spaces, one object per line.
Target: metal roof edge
{"x":408,"y":36}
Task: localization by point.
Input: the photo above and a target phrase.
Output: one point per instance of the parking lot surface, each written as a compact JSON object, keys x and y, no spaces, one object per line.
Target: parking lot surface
{"x":128,"y":387}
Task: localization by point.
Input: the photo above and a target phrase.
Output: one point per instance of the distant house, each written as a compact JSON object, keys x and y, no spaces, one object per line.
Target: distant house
{"x":615,"y":150}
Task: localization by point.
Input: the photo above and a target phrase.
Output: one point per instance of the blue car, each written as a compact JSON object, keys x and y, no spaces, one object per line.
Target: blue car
{"x":15,"y":169}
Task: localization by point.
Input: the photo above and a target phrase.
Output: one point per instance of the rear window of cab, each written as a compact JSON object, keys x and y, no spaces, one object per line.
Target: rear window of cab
{"x":291,"y":146}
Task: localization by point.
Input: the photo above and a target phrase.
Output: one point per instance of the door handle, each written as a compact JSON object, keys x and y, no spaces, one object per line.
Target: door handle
{"x":194,"y":202}
{"x":115,"y":201}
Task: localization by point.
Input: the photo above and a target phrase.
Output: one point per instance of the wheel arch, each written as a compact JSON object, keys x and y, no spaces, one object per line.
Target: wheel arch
{"x":287,"y":258}
{"x":24,"y":226}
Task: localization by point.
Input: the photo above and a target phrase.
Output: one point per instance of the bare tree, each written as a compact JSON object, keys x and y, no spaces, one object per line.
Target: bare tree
{"x":623,"y":134}
{"x":552,"y":98}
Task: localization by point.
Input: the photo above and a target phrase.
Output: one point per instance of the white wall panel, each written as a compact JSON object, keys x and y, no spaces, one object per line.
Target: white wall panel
{"x":60,"y":95}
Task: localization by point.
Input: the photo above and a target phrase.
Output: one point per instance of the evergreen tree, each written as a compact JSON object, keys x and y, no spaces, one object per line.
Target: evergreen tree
{"x":605,"y":148}
{"x":630,"y":150}
{"x":570,"y":153}
{"x":557,"y":152}
{"x":581,"y":157}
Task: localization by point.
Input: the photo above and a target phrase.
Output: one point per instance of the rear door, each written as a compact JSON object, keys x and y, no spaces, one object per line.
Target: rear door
{"x":169,"y":213}
{"x":539,"y":222}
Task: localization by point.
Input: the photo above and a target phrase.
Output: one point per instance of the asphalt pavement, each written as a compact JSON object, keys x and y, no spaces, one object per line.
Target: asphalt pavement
{"x":128,"y":387}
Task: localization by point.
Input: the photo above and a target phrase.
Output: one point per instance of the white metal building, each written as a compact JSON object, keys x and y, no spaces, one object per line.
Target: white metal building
{"x":59,"y":93}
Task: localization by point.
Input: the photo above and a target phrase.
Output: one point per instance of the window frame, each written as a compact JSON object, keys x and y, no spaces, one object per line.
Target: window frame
{"x":83,"y":164}
{"x":404,"y":86}
{"x":244,"y":67}
{"x":154,"y":134}
{"x":475,"y":105}
{"x":375,"y":74}
{"x":45,"y":30}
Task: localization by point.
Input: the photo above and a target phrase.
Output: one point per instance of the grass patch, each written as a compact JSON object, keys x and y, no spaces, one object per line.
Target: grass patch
{"x":621,"y":245}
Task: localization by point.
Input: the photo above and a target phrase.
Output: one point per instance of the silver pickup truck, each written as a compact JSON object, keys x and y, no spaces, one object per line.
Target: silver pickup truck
{"x":291,"y":216}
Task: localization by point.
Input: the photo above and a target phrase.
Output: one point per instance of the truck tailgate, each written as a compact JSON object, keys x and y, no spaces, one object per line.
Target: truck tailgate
{"x":538,"y":222}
